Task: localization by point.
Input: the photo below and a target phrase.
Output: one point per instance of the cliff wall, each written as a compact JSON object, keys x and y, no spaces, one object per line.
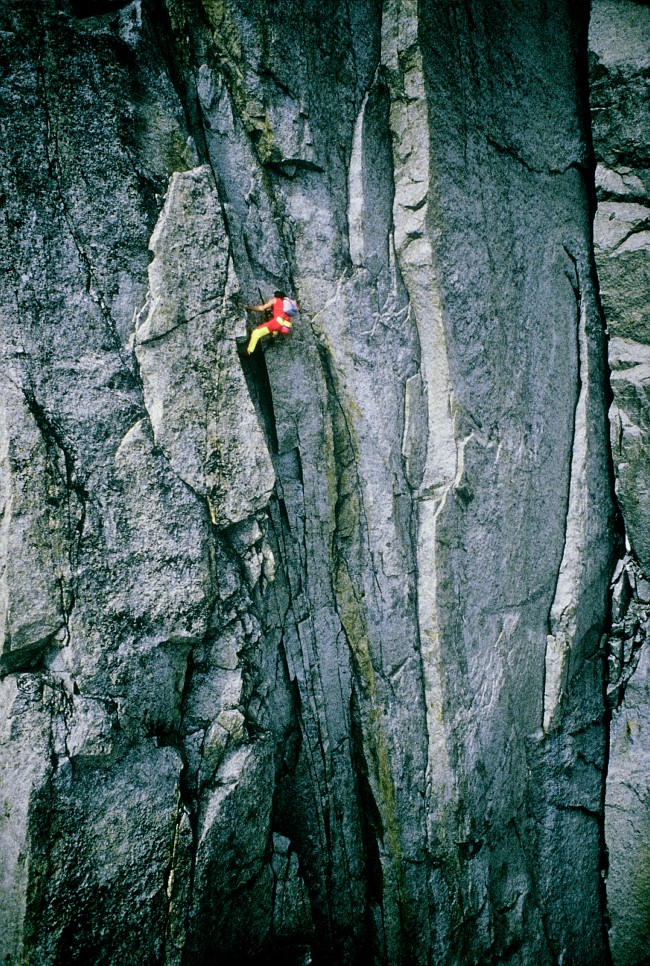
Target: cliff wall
{"x":620,"y":87}
{"x":302,"y":653}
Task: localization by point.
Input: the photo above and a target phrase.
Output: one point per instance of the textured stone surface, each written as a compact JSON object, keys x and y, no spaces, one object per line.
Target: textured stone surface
{"x":620,"y":86}
{"x":310,"y":665}
{"x":25,"y":771}
{"x":619,"y":41}
{"x":39,"y":514}
{"x":125,"y":615}
{"x":187,"y":356}
{"x":627,"y":824}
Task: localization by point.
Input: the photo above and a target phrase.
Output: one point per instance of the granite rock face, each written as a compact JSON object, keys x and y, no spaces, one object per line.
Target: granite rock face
{"x":620,"y":90}
{"x":302,"y":653}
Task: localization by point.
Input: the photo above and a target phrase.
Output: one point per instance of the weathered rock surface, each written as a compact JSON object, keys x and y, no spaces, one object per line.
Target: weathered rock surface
{"x":125,"y":612}
{"x":193,"y":315}
{"x":620,"y":93}
{"x":302,"y":654}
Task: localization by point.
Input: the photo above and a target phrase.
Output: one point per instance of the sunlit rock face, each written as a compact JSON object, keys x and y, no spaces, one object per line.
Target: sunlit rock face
{"x":302,"y":653}
{"x":619,"y":52}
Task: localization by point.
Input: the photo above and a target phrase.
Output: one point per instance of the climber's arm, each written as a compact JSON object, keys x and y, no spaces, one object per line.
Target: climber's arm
{"x":260,"y":308}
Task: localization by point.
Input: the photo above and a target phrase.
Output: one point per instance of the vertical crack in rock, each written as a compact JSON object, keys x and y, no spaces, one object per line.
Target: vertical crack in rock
{"x":191,"y":306}
{"x":433,"y":457}
{"x":331,"y":867}
{"x":491,"y":642}
{"x":373,"y":768}
{"x":574,"y":714}
{"x":562,"y":619}
{"x":178,"y":887}
{"x":628,"y":631}
{"x":619,"y":41}
{"x":253,"y":223}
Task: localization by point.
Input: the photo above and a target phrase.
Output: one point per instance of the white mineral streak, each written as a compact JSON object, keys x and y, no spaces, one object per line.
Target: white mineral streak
{"x":195,"y":392}
{"x":416,"y":258}
{"x":356,"y":198}
{"x":570,"y":584}
{"x":410,"y":127}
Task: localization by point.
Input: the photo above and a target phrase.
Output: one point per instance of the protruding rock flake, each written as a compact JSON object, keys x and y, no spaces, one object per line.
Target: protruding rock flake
{"x":39,"y":511}
{"x":194,"y":388}
{"x":335,"y":652}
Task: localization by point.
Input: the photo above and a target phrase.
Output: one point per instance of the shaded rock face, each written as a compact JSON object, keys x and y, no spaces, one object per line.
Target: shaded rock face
{"x":620,"y":87}
{"x":301,"y":653}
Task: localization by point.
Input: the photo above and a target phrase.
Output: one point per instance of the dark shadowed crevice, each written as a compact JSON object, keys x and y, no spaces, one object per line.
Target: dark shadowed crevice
{"x":617,"y":523}
{"x":31,"y":659}
{"x":305,"y":809}
{"x":371,"y":824}
{"x":618,"y":547}
{"x":296,"y":796}
{"x":259,"y":387}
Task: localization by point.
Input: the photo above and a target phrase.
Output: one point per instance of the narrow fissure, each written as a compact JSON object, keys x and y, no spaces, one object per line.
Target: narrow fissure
{"x":259,"y":388}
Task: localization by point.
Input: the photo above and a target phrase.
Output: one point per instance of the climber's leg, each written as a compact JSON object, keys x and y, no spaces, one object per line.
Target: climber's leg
{"x":257,"y":334}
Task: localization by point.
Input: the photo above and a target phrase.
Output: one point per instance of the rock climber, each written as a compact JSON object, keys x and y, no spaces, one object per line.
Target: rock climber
{"x":280,"y":322}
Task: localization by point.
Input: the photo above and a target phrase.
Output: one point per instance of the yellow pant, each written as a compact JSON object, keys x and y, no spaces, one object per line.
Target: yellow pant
{"x":273,"y":327}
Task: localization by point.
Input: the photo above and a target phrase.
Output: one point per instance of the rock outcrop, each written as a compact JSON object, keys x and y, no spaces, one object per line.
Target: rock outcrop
{"x":620,"y":90}
{"x":303,"y":653}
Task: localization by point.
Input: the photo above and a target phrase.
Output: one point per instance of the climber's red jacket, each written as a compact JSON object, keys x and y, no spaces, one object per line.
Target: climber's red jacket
{"x":278,"y":311}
